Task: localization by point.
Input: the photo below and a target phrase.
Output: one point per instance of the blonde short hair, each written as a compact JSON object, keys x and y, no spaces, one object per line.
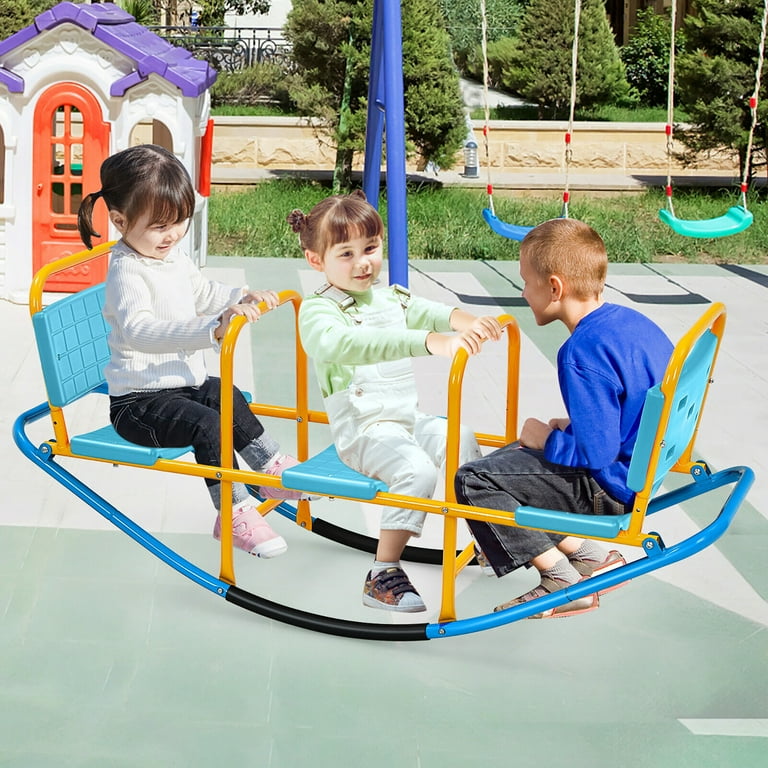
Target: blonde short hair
{"x":570,"y":249}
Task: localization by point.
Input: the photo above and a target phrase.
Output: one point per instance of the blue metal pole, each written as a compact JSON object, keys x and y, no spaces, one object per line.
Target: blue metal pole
{"x":374,"y":127}
{"x":394,"y":119}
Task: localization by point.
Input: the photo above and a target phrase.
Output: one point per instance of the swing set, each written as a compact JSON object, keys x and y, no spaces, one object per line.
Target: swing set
{"x":735,"y":220}
{"x":71,"y":338}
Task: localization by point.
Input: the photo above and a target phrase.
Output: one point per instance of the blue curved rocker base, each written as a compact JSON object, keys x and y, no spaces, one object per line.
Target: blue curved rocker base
{"x":510,"y":231}
{"x":735,"y":220}
{"x":740,"y":478}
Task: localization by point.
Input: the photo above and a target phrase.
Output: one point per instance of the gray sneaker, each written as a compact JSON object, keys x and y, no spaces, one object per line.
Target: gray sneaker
{"x":485,"y":567}
{"x":391,"y":590}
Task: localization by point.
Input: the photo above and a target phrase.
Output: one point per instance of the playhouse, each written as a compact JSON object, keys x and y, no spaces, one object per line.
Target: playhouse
{"x":78,"y":84}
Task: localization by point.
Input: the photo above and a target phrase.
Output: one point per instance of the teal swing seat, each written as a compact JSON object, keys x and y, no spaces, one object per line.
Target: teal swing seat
{"x":735,"y":220}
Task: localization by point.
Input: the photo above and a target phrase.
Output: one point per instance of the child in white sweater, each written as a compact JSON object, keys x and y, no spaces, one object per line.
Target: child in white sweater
{"x":163,"y":314}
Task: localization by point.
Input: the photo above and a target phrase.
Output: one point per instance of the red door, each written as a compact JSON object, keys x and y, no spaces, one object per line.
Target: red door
{"x":70,"y":142}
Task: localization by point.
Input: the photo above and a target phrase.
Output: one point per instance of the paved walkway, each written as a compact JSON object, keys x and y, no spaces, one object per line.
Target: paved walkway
{"x":474,"y":98}
{"x":110,"y":659}
{"x":121,"y":662}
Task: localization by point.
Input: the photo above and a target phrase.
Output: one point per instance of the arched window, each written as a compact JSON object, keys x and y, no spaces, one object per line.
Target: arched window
{"x":152,"y":132}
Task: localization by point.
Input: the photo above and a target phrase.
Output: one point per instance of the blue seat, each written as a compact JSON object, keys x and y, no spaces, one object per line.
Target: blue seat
{"x":510,"y":231}
{"x":687,"y":401}
{"x":71,"y":337}
{"x":326,"y":474}
{"x":105,"y":443}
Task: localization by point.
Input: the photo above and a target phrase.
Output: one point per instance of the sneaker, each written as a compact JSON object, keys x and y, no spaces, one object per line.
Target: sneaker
{"x":391,"y":590}
{"x":547,"y":586}
{"x":480,"y":559}
{"x":276,"y":467}
{"x":251,"y":532}
{"x":589,"y":568}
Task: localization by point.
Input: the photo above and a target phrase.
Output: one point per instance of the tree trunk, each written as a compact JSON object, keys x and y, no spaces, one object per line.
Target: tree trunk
{"x":342,"y":172}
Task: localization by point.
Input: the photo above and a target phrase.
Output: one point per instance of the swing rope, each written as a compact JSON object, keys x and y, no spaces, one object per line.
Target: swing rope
{"x":738,"y":218}
{"x":753,"y":105}
{"x":670,"y":108}
{"x":486,"y":105}
{"x":568,"y":152}
{"x":510,"y":231}
{"x":513,"y":231}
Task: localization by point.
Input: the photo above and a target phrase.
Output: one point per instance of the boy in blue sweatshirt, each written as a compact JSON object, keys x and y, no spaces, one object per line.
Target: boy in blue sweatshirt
{"x":579,"y":463}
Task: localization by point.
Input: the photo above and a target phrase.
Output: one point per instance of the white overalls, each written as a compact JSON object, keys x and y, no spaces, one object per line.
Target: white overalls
{"x":378,"y":430}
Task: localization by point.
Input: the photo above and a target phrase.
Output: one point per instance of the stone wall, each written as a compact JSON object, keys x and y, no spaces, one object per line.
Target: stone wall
{"x":248,"y":149}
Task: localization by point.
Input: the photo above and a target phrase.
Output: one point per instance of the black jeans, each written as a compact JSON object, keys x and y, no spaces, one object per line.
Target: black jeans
{"x":514,"y":476}
{"x":174,"y":418}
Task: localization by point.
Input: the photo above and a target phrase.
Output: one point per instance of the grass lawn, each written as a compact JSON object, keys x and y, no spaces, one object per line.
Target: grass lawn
{"x":447,"y":223}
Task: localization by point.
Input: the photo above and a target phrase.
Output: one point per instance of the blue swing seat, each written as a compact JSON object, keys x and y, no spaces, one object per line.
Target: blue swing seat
{"x":510,"y":231}
{"x":735,"y":220}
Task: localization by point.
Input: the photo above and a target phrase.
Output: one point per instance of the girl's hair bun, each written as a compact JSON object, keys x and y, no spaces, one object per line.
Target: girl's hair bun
{"x":296,"y":219}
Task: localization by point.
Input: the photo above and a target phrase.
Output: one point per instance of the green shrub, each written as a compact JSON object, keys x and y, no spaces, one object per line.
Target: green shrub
{"x":500,"y":56}
{"x":15,"y":15}
{"x":646,"y":57}
{"x":262,"y":83}
{"x":541,"y":64}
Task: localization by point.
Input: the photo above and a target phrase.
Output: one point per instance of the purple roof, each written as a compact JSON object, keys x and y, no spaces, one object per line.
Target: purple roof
{"x":118,"y":29}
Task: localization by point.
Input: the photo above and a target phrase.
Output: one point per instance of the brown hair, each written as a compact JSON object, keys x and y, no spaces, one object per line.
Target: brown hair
{"x":336,"y":219}
{"x":140,"y":179}
{"x":573,"y":251}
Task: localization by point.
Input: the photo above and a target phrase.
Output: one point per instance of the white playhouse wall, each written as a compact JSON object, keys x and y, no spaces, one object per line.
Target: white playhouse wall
{"x":68,"y":53}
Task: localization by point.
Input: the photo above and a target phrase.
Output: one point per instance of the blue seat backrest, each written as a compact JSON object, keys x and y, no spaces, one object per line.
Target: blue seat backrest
{"x":71,"y":337}
{"x":687,"y":400}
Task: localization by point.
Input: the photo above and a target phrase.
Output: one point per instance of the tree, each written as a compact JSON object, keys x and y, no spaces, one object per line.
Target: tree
{"x":646,"y":57}
{"x":715,"y":76}
{"x":143,"y":11}
{"x":463,"y":19}
{"x":331,"y":43}
{"x":330,"y":46}
{"x":540,"y":68}
{"x":17,"y":14}
{"x":434,"y":109}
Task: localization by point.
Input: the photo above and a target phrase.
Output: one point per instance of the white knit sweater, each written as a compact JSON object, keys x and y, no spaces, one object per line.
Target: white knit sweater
{"x":162,"y":314}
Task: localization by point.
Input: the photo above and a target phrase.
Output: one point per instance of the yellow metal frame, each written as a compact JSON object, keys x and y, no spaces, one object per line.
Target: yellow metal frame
{"x":713,"y":320}
{"x":451,"y":511}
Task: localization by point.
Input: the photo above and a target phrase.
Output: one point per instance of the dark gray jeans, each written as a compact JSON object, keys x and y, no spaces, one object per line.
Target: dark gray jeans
{"x":514,"y":476}
{"x":174,"y":418}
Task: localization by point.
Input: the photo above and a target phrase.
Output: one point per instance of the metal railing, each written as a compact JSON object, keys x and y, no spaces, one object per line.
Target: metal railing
{"x":229,"y":49}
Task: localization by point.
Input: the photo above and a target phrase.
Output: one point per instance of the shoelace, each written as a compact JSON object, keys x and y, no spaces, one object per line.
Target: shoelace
{"x":394,"y":580}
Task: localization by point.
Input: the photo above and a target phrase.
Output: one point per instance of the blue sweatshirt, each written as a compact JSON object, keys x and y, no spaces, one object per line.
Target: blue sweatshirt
{"x":605,"y":368}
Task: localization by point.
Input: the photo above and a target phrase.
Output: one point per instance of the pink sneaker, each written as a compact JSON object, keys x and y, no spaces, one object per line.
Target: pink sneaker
{"x":251,"y":532}
{"x":276,"y":466}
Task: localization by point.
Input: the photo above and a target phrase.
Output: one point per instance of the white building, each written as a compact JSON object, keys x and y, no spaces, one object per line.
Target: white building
{"x":275,"y":18}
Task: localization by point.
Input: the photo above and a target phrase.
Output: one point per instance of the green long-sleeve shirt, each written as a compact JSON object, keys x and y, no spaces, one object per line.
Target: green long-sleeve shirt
{"x":337,"y":344}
